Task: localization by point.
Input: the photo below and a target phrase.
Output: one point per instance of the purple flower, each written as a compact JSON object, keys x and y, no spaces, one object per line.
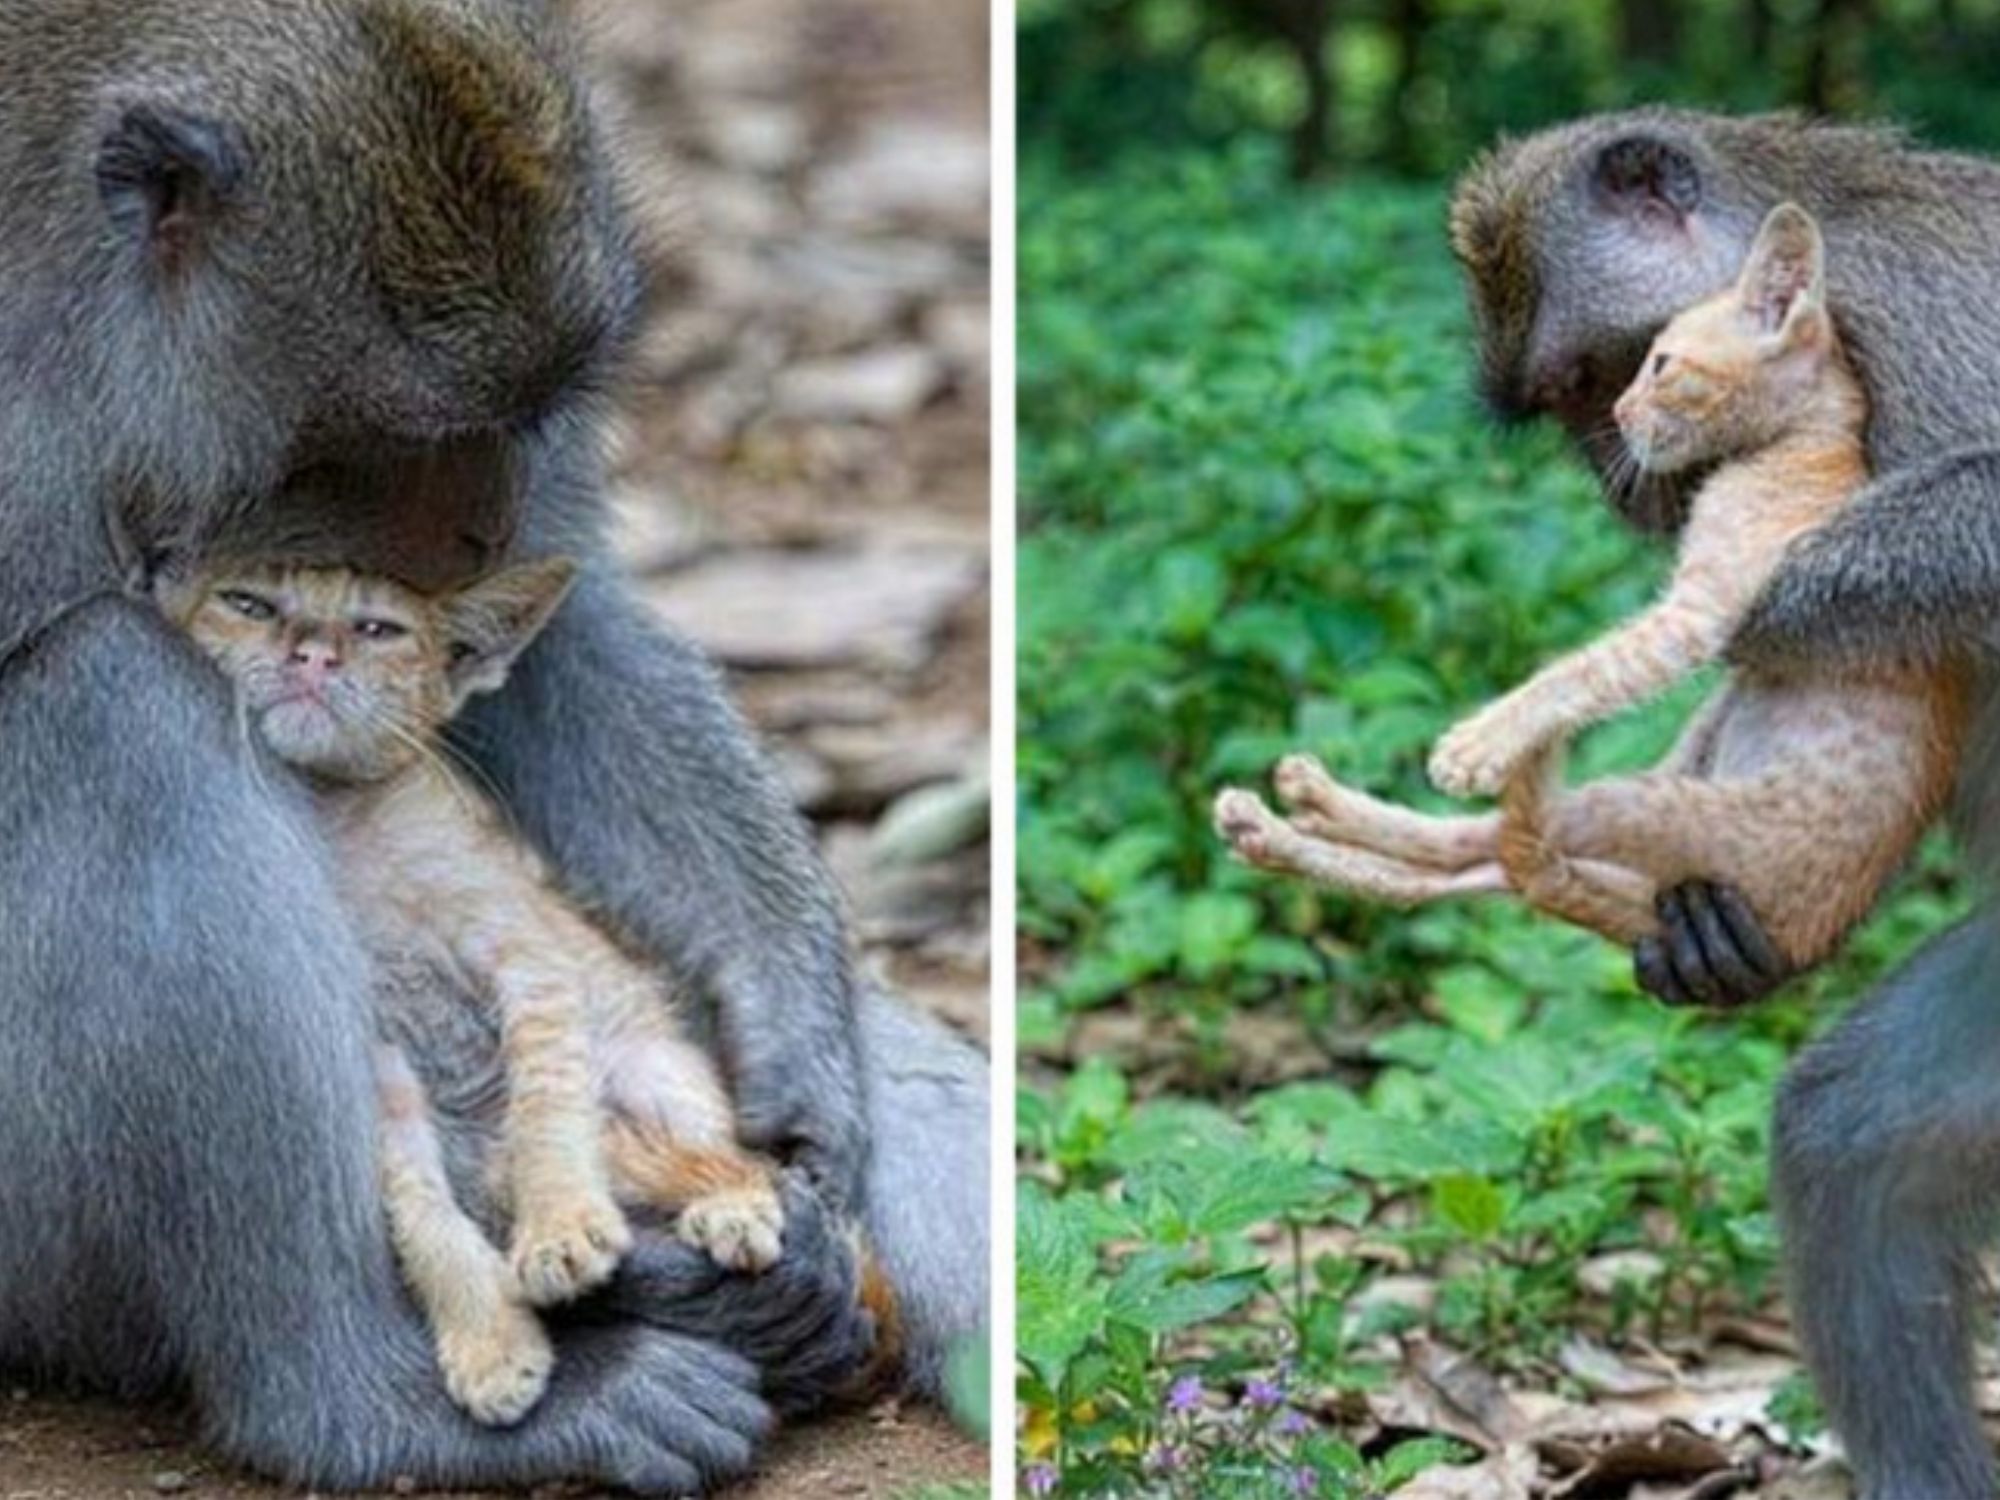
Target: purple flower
{"x":1184,"y":1395}
{"x":1041,"y":1479}
{"x":1263,"y":1393}
{"x":1303,"y":1481}
{"x":1292,"y":1423}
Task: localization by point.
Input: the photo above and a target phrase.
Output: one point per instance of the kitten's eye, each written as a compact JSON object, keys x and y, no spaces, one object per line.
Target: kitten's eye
{"x":250,"y":606}
{"x":1659,"y":363}
{"x":372,"y":629}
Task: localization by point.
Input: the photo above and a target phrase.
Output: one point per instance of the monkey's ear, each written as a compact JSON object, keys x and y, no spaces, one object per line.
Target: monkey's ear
{"x":165,"y":174}
{"x":490,"y":623}
{"x":1784,"y":278}
{"x":1648,"y":179}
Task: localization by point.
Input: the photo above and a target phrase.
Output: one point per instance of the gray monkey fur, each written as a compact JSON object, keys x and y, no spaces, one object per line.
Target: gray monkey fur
{"x":1578,"y":243}
{"x":347,"y":274}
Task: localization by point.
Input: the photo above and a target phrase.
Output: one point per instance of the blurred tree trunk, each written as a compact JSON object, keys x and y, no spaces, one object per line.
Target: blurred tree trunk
{"x":1304,"y":28}
{"x":1832,"y":79}
{"x":1649,"y":33}
{"x":1762,"y":26}
{"x":1410,"y":19}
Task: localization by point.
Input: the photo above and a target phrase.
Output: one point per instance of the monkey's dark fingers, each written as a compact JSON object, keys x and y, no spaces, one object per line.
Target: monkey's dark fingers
{"x":1685,"y":951}
{"x":1746,"y":935}
{"x":1655,"y":973}
{"x":1738,"y":978}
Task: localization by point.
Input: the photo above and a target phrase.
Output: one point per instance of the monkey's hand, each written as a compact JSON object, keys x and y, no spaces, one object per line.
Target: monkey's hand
{"x":1910,"y":569}
{"x":1711,"y":950}
{"x":1477,"y":756}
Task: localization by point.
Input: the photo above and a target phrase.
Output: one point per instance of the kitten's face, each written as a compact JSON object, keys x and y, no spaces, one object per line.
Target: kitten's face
{"x":1737,"y":372}
{"x":342,"y":674}
{"x":350,"y":676}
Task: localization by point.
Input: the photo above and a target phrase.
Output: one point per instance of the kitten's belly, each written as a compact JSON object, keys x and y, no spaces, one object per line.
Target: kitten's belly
{"x":1856,"y":732}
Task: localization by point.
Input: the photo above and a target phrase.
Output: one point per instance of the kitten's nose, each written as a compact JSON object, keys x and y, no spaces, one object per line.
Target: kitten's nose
{"x":314,"y":659}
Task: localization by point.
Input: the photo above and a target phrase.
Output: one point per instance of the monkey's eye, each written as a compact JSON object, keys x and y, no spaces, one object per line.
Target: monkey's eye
{"x":250,"y":606}
{"x":374,"y":628}
{"x":1659,"y":363}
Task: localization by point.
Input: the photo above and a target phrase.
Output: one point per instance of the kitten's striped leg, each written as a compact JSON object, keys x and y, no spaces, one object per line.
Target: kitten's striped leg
{"x":1323,"y":808}
{"x":492,"y":1349}
{"x":569,"y":1233}
{"x":1261,"y":838}
{"x":724,"y":1200}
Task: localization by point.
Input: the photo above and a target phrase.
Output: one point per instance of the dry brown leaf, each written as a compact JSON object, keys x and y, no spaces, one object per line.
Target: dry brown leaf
{"x":1669,"y":1452}
{"x":1469,"y":1388}
{"x":1506,"y":1475}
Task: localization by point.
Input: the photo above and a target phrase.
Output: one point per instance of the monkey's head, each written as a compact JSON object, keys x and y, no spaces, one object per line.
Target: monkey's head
{"x":1579,"y":243}
{"x":1742,"y":369}
{"x":354,"y":235}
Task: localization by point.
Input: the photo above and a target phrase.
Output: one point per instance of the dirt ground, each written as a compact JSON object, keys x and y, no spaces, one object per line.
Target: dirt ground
{"x":89,"y":1450}
{"x":801,"y":483}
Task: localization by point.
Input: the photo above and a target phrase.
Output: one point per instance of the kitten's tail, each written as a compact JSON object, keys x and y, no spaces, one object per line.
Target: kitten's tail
{"x":1527,"y":853}
{"x":1604,"y":898}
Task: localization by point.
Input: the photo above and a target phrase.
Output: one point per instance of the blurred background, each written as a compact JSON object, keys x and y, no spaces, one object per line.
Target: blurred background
{"x":1317,"y":1197}
{"x":1414,"y":86}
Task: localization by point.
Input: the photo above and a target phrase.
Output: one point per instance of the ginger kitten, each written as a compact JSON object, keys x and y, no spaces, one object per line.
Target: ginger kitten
{"x":1804,"y":790}
{"x":351,"y":679}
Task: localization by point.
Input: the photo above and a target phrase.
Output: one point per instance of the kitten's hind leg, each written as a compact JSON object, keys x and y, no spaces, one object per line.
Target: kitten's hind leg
{"x":495,"y":1356}
{"x":1611,"y":900}
{"x":1323,"y":808}
{"x":1262,"y":838}
{"x":724,"y":1200}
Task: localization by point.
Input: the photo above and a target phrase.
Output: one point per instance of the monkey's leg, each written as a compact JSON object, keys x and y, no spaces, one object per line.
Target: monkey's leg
{"x":491,"y":1347}
{"x":617,"y":752}
{"x":1323,"y":808}
{"x":1886,"y":1178}
{"x":1267,"y":841}
{"x":184,"y":1014}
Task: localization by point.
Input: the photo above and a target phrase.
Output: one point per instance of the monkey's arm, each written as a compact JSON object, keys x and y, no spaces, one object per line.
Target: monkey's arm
{"x":616,"y":750}
{"x":1910,"y":568}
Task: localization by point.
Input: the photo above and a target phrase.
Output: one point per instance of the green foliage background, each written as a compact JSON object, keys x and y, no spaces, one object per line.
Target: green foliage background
{"x":1260,"y":512}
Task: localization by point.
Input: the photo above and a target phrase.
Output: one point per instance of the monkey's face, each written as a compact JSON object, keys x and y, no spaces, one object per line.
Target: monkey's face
{"x":1578,"y":245}
{"x":351,"y":676}
{"x":1741,"y":370}
{"x":400,"y":250}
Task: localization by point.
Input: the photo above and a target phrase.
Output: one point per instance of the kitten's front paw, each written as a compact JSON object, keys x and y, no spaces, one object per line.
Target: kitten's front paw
{"x":1247,"y":826}
{"x":569,"y":1249}
{"x":1476,"y":758}
{"x":498,"y":1372}
{"x":741,"y":1228}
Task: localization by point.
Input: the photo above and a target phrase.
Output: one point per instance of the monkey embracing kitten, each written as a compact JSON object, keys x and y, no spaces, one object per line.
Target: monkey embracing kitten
{"x":1803,"y":788}
{"x":350,"y":679}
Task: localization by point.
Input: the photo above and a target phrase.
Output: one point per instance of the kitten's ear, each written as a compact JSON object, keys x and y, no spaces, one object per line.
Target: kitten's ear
{"x":1647,"y":178}
{"x":490,"y":623}
{"x":177,"y":586}
{"x":1784,"y":280}
{"x":165,"y":176}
